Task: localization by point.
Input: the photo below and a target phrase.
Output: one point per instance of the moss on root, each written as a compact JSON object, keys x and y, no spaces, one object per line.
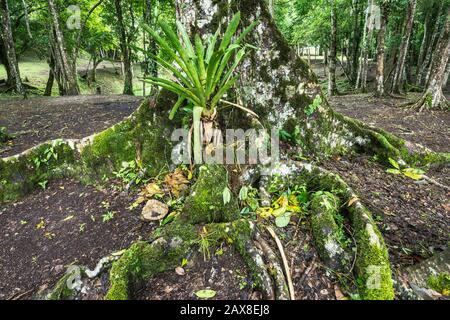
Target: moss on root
{"x":327,"y":233}
{"x":373,"y":271}
{"x":205,"y":204}
{"x":143,"y":260}
{"x":372,"y":261}
{"x":21,"y":174}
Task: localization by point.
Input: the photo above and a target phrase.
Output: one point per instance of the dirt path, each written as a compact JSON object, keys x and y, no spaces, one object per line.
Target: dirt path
{"x":430,"y":129}
{"x":41,"y":119}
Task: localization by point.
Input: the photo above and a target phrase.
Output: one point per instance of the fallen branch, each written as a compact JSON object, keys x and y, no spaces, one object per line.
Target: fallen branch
{"x":285,"y":262}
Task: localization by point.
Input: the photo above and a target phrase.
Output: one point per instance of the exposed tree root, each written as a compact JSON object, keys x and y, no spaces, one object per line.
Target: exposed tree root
{"x":281,"y":288}
{"x":143,"y":138}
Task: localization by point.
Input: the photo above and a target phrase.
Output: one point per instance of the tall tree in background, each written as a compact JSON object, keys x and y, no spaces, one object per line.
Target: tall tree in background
{"x":400,"y":67}
{"x":64,"y":73}
{"x":381,"y":47}
{"x":361,"y":80}
{"x":433,"y":96}
{"x":126,"y":51}
{"x":356,"y":39}
{"x":332,"y":89}
{"x":151,"y":67}
{"x":10,"y":51}
{"x":426,"y":63}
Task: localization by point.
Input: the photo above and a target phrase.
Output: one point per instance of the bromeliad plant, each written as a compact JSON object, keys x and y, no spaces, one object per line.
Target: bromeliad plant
{"x":202,"y":73}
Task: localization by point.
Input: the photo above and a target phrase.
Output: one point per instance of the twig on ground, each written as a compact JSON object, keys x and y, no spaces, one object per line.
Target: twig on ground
{"x":285,"y":262}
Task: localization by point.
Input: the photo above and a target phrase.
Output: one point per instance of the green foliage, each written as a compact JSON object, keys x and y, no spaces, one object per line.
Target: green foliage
{"x":440,"y":283}
{"x":203,"y":71}
{"x":412,"y":173}
{"x":4,"y":135}
{"x":309,"y":110}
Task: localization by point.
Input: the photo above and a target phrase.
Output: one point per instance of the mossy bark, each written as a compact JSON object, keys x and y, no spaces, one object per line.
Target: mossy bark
{"x":144,"y":137}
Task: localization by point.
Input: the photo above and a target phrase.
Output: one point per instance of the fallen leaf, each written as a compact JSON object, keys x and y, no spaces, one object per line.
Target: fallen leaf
{"x":338,"y":293}
{"x":206,"y":294}
{"x":176,"y":182}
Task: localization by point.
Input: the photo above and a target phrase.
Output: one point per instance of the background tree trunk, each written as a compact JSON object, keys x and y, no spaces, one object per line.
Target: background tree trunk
{"x":126,"y":53}
{"x":355,"y":43}
{"x":361,"y":80}
{"x":10,"y":51}
{"x":332,"y":89}
{"x":430,"y":48}
{"x":67,"y":78}
{"x":423,"y":46}
{"x":434,"y":97}
{"x":398,"y":75}
{"x":381,"y":49}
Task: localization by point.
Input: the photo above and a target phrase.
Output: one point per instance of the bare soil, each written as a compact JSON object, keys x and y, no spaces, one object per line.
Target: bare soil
{"x":225,"y":273}
{"x":65,"y":224}
{"x":38,"y":120}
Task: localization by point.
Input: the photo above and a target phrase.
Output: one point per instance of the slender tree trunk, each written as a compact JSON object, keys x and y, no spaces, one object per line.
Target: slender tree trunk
{"x":126,"y":53}
{"x":4,"y":61}
{"x":332,"y":89}
{"x":51,"y":77}
{"x":361,"y":79}
{"x":397,"y":81}
{"x":27,"y":20}
{"x":353,"y":63}
{"x":447,"y":72}
{"x":10,"y":51}
{"x":430,"y":47}
{"x":381,"y":50}
{"x":433,"y":97}
{"x":150,"y":43}
{"x":423,"y":46}
{"x":68,"y":79}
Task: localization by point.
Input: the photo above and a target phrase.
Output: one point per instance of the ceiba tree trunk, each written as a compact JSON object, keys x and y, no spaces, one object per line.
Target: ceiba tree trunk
{"x":278,"y":85}
{"x":126,"y":52}
{"x":68,"y":84}
{"x":332,"y":89}
{"x":398,"y":75}
{"x":10,"y":52}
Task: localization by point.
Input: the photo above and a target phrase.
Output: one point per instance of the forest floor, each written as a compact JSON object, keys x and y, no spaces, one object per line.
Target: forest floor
{"x":70,"y":223}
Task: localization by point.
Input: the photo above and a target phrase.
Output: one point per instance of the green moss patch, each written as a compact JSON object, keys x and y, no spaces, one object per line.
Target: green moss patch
{"x":206,"y":204}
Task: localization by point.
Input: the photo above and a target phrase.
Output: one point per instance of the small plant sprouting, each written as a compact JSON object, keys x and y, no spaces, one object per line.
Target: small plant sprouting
{"x":108,"y":216}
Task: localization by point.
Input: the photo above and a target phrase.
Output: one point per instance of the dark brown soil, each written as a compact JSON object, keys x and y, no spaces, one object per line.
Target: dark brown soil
{"x":430,"y":129}
{"x":63,"y":225}
{"x":41,"y":119}
{"x":309,"y":276}
{"x":413,"y":217}
{"x":226,"y":274}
